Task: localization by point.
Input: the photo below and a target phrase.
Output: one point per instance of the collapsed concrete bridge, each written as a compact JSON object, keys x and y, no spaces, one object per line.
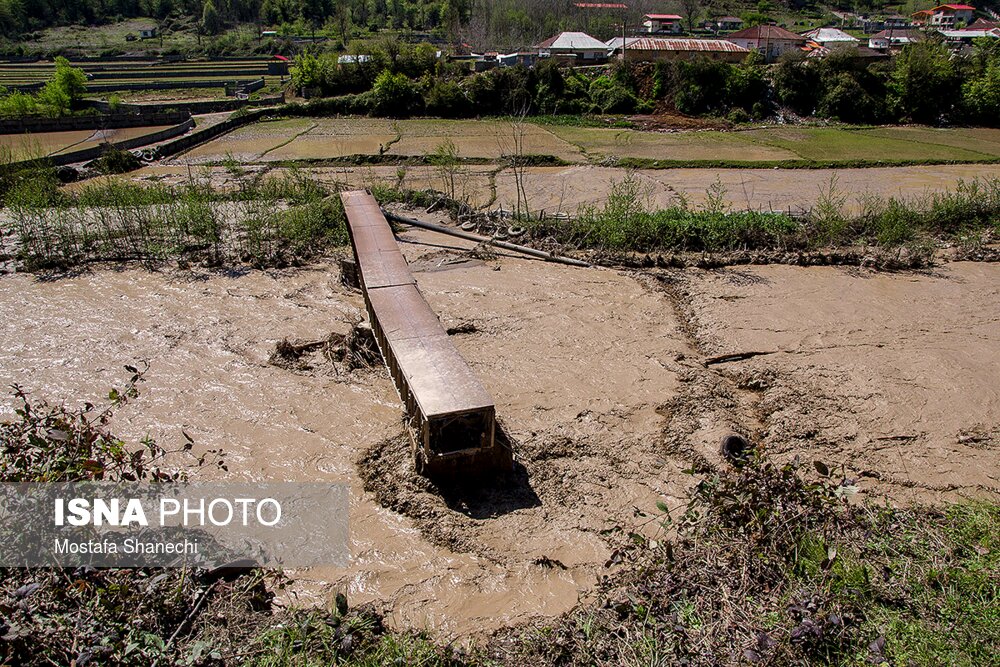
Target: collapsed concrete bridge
{"x":450,"y":415}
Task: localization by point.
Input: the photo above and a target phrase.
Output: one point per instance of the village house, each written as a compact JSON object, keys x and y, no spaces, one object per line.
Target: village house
{"x":728,"y":24}
{"x":653,"y":49}
{"x":945,"y":16}
{"x":574,"y":48}
{"x":525,"y":57}
{"x":958,"y":38}
{"x":982,"y":24}
{"x":147,"y":32}
{"x":830,"y":37}
{"x":770,"y":40}
{"x":662,"y":23}
{"x":894,"y":39}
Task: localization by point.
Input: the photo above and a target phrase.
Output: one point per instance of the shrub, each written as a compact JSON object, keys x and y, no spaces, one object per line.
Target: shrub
{"x":394,"y":95}
{"x":446,"y":98}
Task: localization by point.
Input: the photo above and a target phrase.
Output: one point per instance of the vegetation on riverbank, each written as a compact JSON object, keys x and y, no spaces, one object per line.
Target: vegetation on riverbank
{"x":627,"y":221}
{"x":288,"y":219}
{"x":262,"y":222}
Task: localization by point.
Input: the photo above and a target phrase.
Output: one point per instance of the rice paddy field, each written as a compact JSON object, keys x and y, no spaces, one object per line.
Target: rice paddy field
{"x":38,"y":145}
{"x":113,"y":74}
{"x":486,"y":140}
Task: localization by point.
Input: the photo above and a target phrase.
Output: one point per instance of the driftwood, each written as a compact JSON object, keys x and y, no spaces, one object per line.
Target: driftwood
{"x":735,"y":356}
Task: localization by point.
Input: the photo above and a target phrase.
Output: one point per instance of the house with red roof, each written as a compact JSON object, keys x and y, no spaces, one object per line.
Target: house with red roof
{"x":662,"y":23}
{"x":945,"y":16}
{"x":770,"y":40}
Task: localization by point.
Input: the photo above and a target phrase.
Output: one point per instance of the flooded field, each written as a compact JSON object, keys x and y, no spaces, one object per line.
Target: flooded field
{"x":325,"y":138}
{"x":599,"y":376}
{"x":41,"y":144}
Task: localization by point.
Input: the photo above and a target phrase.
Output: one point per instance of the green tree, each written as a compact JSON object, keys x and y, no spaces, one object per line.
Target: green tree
{"x":64,"y":89}
{"x":309,"y":71}
{"x":924,"y":84}
{"x":211,"y":22}
{"x":394,"y":95}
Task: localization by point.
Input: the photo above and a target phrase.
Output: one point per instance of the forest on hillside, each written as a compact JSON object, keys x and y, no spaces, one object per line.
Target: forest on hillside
{"x":500,"y":23}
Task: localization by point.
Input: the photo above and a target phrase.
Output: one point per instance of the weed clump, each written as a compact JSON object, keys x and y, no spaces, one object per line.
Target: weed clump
{"x":263,"y":222}
{"x":768,"y":564}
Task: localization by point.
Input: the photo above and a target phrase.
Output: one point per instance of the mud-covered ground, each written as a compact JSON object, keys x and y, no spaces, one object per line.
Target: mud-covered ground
{"x":567,"y":188}
{"x":892,"y":376}
{"x":599,"y":378}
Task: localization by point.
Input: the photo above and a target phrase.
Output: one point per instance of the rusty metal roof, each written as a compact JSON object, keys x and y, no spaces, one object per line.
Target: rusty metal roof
{"x":767,"y":32}
{"x":660,"y":44}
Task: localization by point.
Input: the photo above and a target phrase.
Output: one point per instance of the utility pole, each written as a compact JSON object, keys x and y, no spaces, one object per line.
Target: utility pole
{"x":623,"y":38}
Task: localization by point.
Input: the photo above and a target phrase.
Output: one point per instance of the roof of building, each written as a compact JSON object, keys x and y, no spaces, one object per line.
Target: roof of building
{"x":573,"y":41}
{"x":970,"y":34}
{"x":658,"y":44}
{"x":663,"y":17}
{"x":616,"y":42}
{"x":954,"y":7}
{"x":900,"y":34}
{"x":982,"y":24}
{"x":824,"y":35}
{"x":767,"y":32}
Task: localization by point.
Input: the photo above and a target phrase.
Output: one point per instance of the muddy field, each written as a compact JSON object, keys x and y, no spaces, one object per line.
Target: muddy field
{"x":40,"y":144}
{"x":567,"y":188}
{"x":325,"y":138}
{"x":599,"y":377}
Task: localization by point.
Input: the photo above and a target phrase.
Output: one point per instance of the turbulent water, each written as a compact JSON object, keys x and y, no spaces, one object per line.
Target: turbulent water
{"x":597,"y":375}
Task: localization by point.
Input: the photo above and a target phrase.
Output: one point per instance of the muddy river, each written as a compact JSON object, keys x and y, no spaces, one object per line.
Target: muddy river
{"x":598,"y":376}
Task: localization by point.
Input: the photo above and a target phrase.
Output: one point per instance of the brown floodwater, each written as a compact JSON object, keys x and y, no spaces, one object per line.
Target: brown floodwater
{"x":596,"y":376}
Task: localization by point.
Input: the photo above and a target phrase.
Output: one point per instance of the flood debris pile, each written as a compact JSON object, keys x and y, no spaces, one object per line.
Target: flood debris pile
{"x":346,"y":352}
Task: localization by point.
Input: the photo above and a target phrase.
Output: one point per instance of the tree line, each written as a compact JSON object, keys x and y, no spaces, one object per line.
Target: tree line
{"x":925,"y":83}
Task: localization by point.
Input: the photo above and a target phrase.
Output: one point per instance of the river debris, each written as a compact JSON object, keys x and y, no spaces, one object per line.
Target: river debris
{"x":353,"y":350}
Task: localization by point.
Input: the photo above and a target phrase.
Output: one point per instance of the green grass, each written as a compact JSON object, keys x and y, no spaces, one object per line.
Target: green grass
{"x":929,"y":582}
{"x":845,"y":144}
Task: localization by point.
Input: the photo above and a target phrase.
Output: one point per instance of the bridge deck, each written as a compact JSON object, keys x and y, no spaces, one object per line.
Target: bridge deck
{"x":424,"y":362}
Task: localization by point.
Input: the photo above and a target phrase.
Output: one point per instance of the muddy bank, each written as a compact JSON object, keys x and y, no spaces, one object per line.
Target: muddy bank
{"x":892,"y":377}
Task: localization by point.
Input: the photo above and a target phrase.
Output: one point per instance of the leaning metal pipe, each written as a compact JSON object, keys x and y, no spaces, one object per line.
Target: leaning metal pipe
{"x":541,"y":254}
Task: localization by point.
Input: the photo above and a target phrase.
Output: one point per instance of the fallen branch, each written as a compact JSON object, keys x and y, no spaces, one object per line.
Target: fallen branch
{"x":735,"y":356}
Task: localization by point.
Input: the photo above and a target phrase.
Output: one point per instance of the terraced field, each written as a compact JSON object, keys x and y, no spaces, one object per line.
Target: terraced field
{"x":112,"y":74}
{"x":489,"y":140}
{"x":33,"y":146}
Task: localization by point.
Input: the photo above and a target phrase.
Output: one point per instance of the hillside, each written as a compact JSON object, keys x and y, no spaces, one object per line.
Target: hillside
{"x":234,"y":26}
